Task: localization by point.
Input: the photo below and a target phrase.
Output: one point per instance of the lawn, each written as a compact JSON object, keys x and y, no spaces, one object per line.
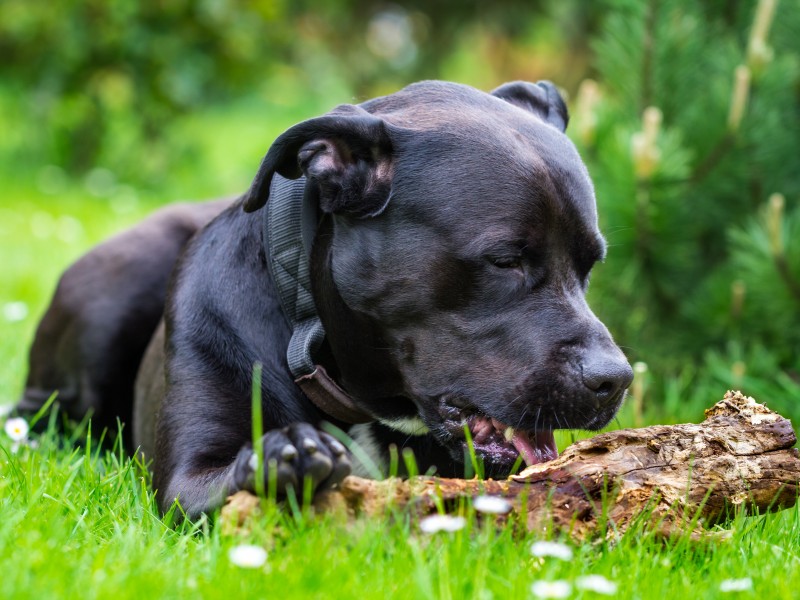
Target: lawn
{"x":80,"y":522}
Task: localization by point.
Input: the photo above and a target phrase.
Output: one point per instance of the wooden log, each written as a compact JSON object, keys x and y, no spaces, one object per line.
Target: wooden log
{"x":679,"y":477}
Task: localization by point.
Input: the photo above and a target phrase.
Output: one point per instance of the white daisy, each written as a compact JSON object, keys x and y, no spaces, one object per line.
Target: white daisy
{"x":494,"y":505}
{"x":551,"y":589}
{"x":247,"y":556}
{"x":15,"y":311}
{"x":553,"y":549}
{"x":597,"y":584}
{"x":437,"y":523}
{"x":736,"y":585}
{"x":17,"y":429}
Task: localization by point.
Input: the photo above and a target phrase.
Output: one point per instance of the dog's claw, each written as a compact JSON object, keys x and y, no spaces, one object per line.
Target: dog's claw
{"x":337,"y":448}
{"x":252,"y":462}
{"x":288,"y":453}
{"x":309,"y":445}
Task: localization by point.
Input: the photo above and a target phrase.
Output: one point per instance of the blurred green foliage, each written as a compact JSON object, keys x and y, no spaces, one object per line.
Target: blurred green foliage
{"x":108,"y":78}
{"x":97,"y":72}
{"x":692,"y":136}
{"x":698,"y":184}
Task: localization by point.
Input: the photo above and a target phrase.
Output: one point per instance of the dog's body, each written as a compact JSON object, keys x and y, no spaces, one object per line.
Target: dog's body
{"x":103,"y":314}
{"x":449,"y":269}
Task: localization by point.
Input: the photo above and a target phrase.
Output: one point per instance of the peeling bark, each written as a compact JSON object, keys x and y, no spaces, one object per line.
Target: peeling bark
{"x":681,"y":478}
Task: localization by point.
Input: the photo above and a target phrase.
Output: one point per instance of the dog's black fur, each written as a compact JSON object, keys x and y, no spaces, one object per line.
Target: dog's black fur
{"x":449,"y":270}
{"x":108,"y":303}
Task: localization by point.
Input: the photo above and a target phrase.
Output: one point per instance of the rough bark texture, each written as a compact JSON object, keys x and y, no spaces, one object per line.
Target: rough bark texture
{"x":680,"y":478}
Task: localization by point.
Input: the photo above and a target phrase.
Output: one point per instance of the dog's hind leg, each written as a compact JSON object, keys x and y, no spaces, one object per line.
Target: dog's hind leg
{"x":107,"y":305}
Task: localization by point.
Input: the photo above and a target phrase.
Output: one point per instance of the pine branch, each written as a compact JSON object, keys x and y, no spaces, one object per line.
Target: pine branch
{"x":786,"y":275}
{"x":648,"y":50}
{"x":707,"y":165}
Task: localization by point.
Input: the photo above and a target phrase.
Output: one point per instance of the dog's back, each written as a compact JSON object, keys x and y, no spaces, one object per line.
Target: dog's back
{"x":106,"y":306}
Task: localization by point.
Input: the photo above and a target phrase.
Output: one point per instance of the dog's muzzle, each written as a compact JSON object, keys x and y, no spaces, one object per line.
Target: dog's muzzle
{"x":499,"y":444}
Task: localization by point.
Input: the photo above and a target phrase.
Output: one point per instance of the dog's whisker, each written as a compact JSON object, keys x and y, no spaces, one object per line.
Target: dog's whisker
{"x":522,"y":416}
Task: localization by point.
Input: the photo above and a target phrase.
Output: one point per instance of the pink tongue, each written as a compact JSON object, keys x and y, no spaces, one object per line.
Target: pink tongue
{"x":541,"y":448}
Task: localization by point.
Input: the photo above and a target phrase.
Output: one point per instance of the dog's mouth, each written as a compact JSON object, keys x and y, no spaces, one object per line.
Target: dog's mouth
{"x":496,"y":443}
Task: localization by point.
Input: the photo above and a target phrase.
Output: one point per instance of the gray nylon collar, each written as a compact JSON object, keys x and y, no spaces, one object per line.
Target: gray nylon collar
{"x":288,"y":236}
{"x":290,"y":221}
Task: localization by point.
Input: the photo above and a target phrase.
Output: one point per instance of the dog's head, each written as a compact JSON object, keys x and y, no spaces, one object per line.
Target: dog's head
{"x":451,"y":268}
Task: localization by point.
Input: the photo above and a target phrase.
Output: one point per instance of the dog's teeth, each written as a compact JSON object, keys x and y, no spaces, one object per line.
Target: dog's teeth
{"x":309,"y":445}
{"x":508,"y":433}
{"x":289,"y":453}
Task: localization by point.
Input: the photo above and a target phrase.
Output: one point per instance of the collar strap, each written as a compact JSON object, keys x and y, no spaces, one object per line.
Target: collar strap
{"x":290,"y":221}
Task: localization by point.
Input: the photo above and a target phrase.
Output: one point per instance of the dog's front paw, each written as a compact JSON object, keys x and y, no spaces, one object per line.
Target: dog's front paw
{"x":292,"y":455}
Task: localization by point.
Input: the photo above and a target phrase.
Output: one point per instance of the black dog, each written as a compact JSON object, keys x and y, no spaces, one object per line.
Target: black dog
{"x":450,"y":236}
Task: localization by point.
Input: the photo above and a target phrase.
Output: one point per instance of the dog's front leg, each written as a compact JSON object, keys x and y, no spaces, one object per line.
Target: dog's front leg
{"x":201,"y":470}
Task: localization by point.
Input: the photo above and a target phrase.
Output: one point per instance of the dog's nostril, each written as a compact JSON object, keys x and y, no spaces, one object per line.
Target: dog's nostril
{"x":605,"y":389}
{"x":607,"y":380}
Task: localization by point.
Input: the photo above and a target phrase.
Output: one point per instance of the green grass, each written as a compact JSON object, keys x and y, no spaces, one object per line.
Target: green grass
{"x":82,"y":523}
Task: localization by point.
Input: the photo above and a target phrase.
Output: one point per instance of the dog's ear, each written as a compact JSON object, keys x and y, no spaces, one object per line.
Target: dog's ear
{"x":347,"y":153}
{"x":540,"y":98}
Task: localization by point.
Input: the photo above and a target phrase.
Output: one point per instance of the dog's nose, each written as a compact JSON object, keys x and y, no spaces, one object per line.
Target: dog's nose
{"x":607,"y":377}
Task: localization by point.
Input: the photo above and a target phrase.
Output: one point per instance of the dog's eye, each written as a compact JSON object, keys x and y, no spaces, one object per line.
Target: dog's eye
{"x":507,"y":262}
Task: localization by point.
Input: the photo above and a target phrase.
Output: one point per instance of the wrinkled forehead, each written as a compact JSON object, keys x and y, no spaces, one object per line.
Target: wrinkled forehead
{"x":495,"y":172}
